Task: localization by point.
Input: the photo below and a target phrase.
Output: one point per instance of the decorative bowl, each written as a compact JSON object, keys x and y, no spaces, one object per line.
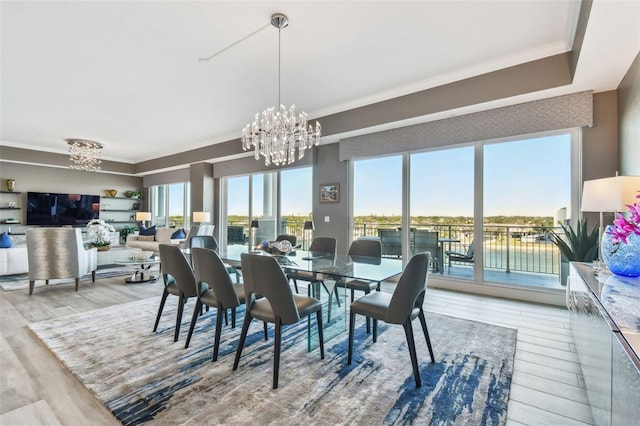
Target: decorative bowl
{"x":142,"y":255}
{"x":111,"y":192}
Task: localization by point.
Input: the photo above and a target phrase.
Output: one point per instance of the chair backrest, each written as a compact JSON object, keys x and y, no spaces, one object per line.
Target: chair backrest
{"x":409,"y":293}
{"x":55,"y":253}
{"x":203,"y":241}
{"x":175,"y":267}
{"x":325,"y":245}
{"x":264,"y":276}
{"x":471,"y":250}
{"x":425,"y":241}
{"x":291,"y":238}
{"x":210,"y":270}
{"x":365,"y":248}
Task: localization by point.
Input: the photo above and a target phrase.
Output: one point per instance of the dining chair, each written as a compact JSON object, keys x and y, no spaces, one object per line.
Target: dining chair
{"x":367,"y":251}
{"x":215,"y":289}
{"x":179,"y":280}
{"x":467,"y":257}
{"x":428,"y":241}
{"x":320,"y":246}
{"x":210,"y":242}
{"x":285,"y":237}
{"x":401,"y":307}
{"x":264,"y":276}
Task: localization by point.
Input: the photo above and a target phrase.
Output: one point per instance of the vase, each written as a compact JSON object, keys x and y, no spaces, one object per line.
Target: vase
{"x":11,"y":184}
{"x":622,"y":259}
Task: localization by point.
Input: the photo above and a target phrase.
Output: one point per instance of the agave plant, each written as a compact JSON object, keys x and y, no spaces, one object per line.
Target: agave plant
{"x":577,"y":245}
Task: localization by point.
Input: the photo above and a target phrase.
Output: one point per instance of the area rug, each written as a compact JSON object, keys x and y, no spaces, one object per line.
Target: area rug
{"x":21,"y":282}
{"x":145,"y":377}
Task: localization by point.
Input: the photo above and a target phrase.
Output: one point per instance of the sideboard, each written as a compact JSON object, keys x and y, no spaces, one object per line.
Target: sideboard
{"x":605,"y":321}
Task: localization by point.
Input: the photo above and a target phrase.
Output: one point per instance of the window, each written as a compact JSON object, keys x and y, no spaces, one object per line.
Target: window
{"x":170,"y":205}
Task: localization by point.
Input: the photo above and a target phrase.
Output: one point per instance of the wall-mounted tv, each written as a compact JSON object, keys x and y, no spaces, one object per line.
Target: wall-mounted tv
{"x":51,"y":209}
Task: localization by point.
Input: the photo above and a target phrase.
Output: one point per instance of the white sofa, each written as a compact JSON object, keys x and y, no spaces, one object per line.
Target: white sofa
{"x":14,"y":260}
{"x":152,"y":242}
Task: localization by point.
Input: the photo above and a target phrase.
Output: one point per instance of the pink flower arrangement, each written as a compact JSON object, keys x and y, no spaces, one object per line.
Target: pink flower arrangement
{"x":622,"y":227}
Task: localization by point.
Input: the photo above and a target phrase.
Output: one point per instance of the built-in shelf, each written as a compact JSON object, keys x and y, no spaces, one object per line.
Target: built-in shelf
{"x":10,"y":192}
{"x":10,"y":208}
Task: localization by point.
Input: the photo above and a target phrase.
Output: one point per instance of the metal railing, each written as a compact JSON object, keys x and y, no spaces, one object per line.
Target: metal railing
{"x":505,"y":247}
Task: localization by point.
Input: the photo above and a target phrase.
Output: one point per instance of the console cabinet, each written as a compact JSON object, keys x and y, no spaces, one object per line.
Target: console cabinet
{"x":605,"y":321}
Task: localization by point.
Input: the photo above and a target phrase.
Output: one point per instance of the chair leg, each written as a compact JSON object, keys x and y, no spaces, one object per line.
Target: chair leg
{"x":266,"y":335}
{"x":93,"y":276}
{"x":368,"y":320}
{"x":164,"y":299}
{"x":46,"y":282}
{"x":335,"y":290}
{"x":243,"y":337}
{"x":408,"y":330}
{"x":295,"y":284}
{"x":423,"y":321}
{"x":77,"y":283}
{"x":197,"y":310}
{"x":32,"y":284}
{"x":352,"y":320}
{"x":181,"y":303}
{"x":320,"y":333}
{"x":375,"y":330}
{"x":226,"y":317}
{"x":216,"y":341}
{"x":277,"y":347}
{"x":233,"y":317}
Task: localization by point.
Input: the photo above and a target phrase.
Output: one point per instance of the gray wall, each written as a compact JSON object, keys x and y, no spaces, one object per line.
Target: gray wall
{"x":51,"y":179}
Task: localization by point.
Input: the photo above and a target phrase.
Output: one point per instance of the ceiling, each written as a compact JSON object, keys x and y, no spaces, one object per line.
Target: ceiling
{"x":127,"y":74}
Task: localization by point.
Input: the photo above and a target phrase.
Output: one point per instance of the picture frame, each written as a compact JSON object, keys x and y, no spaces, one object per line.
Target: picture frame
{"x":330,"y":193}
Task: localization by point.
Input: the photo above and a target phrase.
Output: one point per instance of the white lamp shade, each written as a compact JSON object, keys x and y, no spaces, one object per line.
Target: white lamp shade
{"x":610,"y":194}
{"x":142,"y":216}
{"x":201,"y":217}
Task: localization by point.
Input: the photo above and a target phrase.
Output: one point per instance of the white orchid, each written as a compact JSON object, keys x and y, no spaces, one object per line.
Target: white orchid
{"x":99,"y":231}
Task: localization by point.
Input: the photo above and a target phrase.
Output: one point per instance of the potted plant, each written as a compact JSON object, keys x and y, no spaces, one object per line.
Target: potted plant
{"x":133,"y":194}
{"x":99,"y":233}
{"x":577,"y":245}
{"x":126,"y":231}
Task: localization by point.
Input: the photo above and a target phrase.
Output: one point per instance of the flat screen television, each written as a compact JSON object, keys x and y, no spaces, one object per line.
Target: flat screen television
{"x":51,"y":209}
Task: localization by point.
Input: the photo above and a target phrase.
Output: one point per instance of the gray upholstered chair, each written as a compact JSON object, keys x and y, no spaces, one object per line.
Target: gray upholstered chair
{"x":291,"y":238}
{"x":197,"y":230}
{"x":210,"y":242}
{"x":214,"y":289}
{"x":365,"y":251}
{"x":264,"y":276}
{"x":400,"y":308}
{"x":323,"y":246}
{"x":58,"y":253}
{"x":178,"y":281}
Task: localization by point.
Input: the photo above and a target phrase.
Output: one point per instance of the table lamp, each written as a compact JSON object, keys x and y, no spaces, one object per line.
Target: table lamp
{"x":201,"y":217}
{"x":609,"y":195}
{"x":143,"y":217}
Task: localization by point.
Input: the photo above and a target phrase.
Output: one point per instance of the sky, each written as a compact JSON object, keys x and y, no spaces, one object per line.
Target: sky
{"x":530,"y":177}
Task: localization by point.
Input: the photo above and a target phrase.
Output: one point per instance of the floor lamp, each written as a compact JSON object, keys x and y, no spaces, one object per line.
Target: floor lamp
{"x":608,"y":195}
{"x":308,"y":226}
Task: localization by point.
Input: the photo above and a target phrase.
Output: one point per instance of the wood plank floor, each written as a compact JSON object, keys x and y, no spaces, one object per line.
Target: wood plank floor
{"x":35,"y":389}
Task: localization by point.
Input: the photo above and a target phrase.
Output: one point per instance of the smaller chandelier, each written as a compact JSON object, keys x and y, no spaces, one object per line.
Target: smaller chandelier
{"x":84,"y":154}
{"x":277,"y":134}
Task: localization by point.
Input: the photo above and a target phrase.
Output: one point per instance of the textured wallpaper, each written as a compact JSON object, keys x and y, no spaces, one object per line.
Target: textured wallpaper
{"x":561,"y":112}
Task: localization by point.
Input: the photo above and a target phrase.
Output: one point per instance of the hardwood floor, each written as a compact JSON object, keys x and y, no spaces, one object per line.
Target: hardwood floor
{"x":35,"y":389}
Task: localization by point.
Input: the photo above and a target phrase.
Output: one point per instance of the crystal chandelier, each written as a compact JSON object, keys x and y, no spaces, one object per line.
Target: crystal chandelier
{"x":84,"y":154}
{"x":276,"y":133}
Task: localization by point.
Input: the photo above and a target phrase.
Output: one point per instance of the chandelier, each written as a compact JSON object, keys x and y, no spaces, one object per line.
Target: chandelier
{"x":84,"y":154}
{"x":276,"y":133}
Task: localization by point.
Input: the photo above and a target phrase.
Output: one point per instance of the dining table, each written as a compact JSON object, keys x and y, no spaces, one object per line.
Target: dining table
{"x":330,"y":270}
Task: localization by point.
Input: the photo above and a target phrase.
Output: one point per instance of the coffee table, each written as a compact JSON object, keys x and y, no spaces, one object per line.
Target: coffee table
{"x":142,"y":266}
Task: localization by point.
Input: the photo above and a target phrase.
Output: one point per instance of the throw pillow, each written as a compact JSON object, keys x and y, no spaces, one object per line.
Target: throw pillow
{"x":178,"y":235}
{"x":5,"y":240}
{"x":146,"y":237}
{"x":148,"y":231}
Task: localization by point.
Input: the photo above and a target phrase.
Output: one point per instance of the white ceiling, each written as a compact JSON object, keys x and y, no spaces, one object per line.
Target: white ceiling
{"x":127,"y":73}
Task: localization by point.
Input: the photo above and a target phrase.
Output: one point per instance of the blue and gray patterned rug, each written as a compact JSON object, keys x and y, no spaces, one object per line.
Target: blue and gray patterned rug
{"x":145,"y":377}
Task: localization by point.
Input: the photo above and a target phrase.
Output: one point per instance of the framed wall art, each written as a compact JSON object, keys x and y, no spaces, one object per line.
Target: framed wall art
{"x":330,"y":193}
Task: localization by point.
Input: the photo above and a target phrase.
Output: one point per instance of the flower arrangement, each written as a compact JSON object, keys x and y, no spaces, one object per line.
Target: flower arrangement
{"x":622,"y":227}
{"x":98,"y":232}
